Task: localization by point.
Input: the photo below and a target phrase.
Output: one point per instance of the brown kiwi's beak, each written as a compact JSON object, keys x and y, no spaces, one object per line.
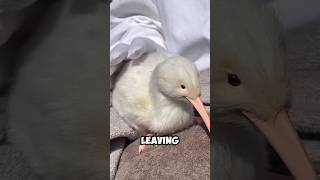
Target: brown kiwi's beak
{"x":284,"y":139}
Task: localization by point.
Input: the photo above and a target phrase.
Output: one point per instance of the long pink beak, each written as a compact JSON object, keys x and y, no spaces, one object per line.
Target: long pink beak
{"x":197,"y":103}
{"x":285,"y":141}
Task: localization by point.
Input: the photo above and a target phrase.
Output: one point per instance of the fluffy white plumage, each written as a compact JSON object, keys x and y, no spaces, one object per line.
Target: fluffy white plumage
{"x":148,"y":93}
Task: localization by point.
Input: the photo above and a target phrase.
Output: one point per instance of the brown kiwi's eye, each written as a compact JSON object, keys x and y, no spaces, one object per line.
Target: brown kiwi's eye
{"x":234,"y":80}
{"x":182,"y":86}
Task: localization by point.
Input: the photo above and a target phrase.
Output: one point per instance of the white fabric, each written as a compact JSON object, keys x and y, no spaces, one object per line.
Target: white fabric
{"x":178,"y":27}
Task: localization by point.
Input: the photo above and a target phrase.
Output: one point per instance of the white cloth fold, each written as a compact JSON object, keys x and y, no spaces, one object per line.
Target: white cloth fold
{"x":134,"y":30}
{"x":143,"y":26}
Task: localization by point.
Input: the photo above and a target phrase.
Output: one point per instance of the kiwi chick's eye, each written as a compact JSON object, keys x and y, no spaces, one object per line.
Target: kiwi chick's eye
{"x":234,"y":80}
{"x":182,"y":86}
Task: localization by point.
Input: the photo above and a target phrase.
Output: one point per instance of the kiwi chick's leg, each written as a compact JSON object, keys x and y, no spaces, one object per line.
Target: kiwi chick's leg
{"x":142,"y":147}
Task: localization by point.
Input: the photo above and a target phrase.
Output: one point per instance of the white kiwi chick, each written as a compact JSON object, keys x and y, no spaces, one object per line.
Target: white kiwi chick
{"x":250,"y":77}
{"x":155,"y":94}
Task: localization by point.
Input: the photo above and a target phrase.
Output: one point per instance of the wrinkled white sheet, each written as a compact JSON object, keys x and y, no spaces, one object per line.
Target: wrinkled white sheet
{"x":177,"y":27}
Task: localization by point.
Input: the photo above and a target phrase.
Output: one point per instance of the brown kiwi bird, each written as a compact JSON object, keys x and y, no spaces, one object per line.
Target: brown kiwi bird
{"x":250,"y":84}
